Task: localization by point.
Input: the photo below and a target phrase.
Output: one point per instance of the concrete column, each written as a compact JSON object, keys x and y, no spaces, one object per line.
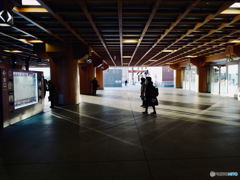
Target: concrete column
{"x":86,"y":75}
{"x":64,"y":76}
{"x":99,"y":76}
{"x":178,"y":79}
{"x":202,"y":79}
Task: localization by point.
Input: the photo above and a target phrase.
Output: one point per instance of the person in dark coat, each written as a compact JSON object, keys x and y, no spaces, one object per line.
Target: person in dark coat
{"x":149,"y":96}
{"x":45,"y":87}
{"x":126,"y":83}
{"x":95,"y":86}
{"x":52,"y":92}
{"x":142,"y":91}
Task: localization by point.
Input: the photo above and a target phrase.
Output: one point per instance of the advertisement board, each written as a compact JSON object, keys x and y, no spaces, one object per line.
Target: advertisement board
{"x":25,"y":89}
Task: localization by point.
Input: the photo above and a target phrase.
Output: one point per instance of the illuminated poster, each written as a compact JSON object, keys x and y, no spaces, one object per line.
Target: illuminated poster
{"x":25,"y":89}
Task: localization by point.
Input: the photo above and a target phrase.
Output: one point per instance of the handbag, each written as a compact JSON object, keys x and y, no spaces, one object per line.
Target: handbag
{"x":155,"y":101}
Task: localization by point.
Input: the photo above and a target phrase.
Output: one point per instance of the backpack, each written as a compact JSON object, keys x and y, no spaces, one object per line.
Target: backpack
{"x":155,"y":91}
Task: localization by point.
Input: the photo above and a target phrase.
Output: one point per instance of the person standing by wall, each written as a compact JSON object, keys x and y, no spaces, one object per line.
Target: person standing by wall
{"x":142,"y":91}
{"x":149,"y":95}
{"x":52,"y":92}
{"x":95,"y":86}
{"x":126,"y":83}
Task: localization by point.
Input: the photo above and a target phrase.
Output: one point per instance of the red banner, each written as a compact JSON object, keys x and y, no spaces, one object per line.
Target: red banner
{"x":137,"y":71}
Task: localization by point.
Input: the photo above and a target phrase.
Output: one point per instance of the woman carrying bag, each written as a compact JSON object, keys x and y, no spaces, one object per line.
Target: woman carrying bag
{"x":150,"y":96}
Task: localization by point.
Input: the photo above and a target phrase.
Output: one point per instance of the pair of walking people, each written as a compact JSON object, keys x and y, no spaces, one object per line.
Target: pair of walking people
{"x":148,"y":94}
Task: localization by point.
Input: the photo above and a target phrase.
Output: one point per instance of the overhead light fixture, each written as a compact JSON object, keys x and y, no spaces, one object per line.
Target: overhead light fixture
{"x":13,"y":51}
{"x":42,"y":64}
{"x":230,"y":59}
{"x":130,"y":41}
{"x":165,"y":50}
{"x":125,"y":63}
{"x":236,"y":41}
{"x":169,"y":63}
{"x":30,"y":2}
{"x":89,"y":60}
{"x":35,"y":41}
{"x":152,"y":60}
{"x":30,"y":10}
{"x":31,"y":41}
{"x":190,"y":56}
{"x":23,"y":40}
{"x":235,"y":5}
{"x":126,"y":56}
{"x":230,"y":11}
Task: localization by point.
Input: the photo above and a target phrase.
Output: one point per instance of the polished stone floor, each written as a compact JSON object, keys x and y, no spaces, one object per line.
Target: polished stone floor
{"x":108,"y":137}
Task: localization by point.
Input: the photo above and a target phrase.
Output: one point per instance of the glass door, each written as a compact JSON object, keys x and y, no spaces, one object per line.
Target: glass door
{"x":193,"y":78}
{"x":233,"y":80}
{"x":215,"y":80}
{"x":223,"y":80}
{"x":187,"y":79}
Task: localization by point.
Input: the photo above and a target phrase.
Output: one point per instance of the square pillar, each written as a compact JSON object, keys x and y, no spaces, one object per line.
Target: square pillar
{"x":202,"y":79}
{"x":86,"y":75}
{"x":178,"y":78}
{"x":99,"y":77}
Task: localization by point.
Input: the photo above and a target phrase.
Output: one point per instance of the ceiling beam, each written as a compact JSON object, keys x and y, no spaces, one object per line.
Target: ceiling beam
{"x":46,"y":5}
{"x":197,"y":26}
{"x":235,"y":19}
{"x":39,"y":25}
{"x":120,"y":28}
{"x":88,"y":15}
{"x":180,"y":17}
{"x":154,"y":10}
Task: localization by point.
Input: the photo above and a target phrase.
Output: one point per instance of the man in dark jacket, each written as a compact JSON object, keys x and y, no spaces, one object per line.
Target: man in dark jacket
{"x":149,"y":96}
{"x":95,"y":86}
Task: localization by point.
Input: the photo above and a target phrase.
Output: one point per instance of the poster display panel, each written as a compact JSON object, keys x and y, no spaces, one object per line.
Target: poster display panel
{"x":25,"y":89}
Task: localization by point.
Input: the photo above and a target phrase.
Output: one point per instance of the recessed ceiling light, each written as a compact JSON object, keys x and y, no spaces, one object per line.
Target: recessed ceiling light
{"x":168,"y":50}
{"x":30,"y":10}
{"x":130,"y":41}
{"x":169,"y":63}
{"x":125,"y":63}
{"x":30,"y":2}
{"x":126,"y":56}
{"x":35,"y":41}
{"x":236,"y":41}
{"x":13,"y":51}
{"x":190,"y":56}
{"x":235,"y":5}
{"x":231,"y":11}
{"x":4,"y":25}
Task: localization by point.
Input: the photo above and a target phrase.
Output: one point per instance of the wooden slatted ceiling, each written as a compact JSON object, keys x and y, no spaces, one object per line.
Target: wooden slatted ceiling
{"x":188,"y":26}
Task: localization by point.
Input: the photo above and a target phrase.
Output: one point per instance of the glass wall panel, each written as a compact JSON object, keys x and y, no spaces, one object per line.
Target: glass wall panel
{"x":215,"y":81}
{"x":233,"y":80}
{"x":193,"y":78}
{"x":183,"y":79}
{"x":187,"y":79}
{"x":223,"y":83}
